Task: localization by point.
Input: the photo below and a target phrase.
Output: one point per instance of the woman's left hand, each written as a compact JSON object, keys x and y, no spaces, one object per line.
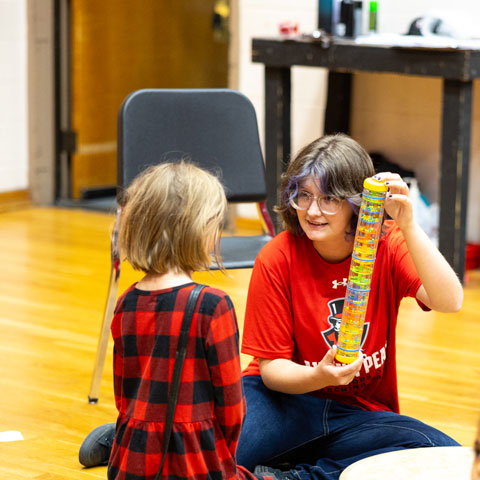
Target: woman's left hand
{"x":436,"y":275}
{"x":397,"y":204}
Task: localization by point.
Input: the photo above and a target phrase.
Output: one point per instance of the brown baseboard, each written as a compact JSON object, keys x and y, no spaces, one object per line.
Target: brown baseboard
{"x":15,"y":200}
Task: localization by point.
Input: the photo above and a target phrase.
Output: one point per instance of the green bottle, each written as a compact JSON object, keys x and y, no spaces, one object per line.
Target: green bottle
{"x":372,"y":17}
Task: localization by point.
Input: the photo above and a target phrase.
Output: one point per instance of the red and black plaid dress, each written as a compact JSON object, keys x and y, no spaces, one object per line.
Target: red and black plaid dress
{"x":211,"y":405}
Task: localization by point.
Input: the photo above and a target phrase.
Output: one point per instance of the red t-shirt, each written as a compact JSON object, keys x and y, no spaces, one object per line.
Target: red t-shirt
{"x":294,"y":306}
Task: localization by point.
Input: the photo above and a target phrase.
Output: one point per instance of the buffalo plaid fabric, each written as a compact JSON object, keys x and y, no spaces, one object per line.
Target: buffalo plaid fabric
{"x":211,"y":404}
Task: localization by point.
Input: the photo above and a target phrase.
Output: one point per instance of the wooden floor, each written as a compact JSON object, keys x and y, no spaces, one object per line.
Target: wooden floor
{"x":52,"y":292}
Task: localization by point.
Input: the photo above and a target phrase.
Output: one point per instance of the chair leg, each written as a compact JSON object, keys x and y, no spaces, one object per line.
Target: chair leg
{"x":265,"y":218}
{"x":108,"y":314}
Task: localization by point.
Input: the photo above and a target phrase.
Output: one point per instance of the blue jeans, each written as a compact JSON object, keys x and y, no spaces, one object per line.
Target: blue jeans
{"x":317,"y":438}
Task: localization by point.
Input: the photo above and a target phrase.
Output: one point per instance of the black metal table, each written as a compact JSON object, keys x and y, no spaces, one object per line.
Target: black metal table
{"x":457,"y":68}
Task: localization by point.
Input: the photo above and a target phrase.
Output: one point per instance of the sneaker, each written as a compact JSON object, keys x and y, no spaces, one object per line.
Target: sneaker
{"x":273,"y":473}
{"x":95,"y":449}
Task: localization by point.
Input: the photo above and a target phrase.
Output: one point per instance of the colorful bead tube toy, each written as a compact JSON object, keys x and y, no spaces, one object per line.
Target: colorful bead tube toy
{"x":361,"y":268}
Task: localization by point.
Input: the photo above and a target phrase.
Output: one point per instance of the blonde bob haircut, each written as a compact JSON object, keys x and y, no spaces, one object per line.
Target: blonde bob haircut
{"x":172,"y":217}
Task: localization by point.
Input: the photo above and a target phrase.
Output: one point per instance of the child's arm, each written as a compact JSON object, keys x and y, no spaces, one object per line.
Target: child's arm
{"x":441,"y":290}
{"x":224,"y":363}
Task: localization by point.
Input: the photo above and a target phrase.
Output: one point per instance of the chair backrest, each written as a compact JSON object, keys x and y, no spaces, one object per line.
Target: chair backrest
{"x":215,"y":128}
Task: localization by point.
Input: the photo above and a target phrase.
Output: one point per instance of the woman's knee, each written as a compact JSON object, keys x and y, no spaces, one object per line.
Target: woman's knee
{"x":409,"y":432}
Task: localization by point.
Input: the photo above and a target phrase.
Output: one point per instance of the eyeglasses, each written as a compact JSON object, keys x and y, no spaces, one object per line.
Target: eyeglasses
{"x":327,"y":204}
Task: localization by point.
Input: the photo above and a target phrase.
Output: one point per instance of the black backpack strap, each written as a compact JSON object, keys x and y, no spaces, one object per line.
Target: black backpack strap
{"x":177,"y":371}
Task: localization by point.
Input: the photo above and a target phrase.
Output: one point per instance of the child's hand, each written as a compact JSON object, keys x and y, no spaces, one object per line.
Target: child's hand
{"x":332,"y":374}
{"x":397,"y":204}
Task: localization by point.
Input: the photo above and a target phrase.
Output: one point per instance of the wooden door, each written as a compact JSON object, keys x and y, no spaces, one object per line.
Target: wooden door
{"x":118,"y":46}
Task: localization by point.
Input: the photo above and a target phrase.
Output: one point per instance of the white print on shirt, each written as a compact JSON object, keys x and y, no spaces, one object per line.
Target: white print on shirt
{"x":336,"y":283}
{"x":377,"y":359}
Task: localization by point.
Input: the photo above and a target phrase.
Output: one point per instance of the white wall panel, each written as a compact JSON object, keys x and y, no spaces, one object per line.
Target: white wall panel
{"x":13,"y":96}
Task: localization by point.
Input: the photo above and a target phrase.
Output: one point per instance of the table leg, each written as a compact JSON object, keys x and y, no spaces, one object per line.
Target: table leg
{"x":455,"y":151}
{"x":277,"y":132}
{"x":337,"y":111}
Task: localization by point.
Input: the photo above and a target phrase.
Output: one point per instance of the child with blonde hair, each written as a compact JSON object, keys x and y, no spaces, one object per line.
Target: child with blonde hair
{"x":171,"y":220}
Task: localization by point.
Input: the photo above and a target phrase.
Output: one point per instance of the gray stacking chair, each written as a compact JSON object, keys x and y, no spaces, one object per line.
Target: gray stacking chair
{"x":216,"y":129}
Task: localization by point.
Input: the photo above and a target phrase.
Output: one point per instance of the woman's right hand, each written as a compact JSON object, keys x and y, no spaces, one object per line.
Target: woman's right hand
{"x":331,"y":374}
{"x":284,"y":375}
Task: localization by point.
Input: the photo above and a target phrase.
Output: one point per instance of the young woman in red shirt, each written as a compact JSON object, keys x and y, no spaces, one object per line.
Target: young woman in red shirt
{"x":309,"y":417}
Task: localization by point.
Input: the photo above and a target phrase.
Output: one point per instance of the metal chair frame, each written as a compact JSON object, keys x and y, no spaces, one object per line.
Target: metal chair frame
{"x":138,"y":129}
